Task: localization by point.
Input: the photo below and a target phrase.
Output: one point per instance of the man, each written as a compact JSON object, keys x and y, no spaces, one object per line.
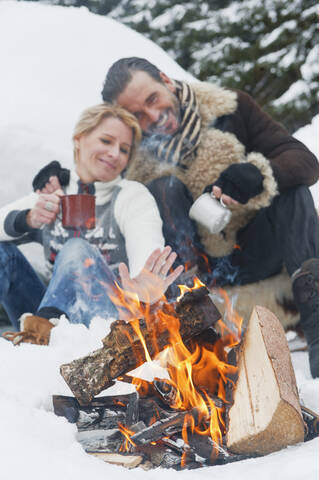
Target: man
{"x":201,"y":137}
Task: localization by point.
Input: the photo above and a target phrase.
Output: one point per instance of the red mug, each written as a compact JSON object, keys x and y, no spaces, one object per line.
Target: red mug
{"x":78,"y":211}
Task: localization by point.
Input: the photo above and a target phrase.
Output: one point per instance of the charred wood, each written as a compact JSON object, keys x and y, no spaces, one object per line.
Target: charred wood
{"x":100,"y":440}
{"x":164,"y":427}
{"x":311,"y":420}
{"x":132,"y":410}
{"x":102,"y":413}
{"x":67,"y":407}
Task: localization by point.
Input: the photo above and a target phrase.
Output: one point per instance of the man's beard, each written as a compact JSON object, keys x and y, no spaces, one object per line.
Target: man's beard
{"x":174,"y":112}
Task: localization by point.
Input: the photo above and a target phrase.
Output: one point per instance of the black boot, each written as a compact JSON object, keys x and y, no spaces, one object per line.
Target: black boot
{"x":306,"y":293}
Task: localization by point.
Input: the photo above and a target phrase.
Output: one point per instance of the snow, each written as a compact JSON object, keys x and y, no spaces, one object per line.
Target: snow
{"x":53,"y":62}
{"x":273,"y":36}
{"x":310,"y":69}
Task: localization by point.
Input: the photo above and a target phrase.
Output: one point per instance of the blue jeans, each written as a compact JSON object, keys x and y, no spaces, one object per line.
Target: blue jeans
{"x":80,"y":285}
{"x":21,"y":290}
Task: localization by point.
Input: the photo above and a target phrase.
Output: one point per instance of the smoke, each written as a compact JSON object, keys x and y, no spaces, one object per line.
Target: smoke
{"x":223,"y":272}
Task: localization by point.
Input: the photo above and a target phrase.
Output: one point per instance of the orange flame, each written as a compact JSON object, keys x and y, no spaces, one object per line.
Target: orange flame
{"x":197,"y":372}
{"x":125,"y":447}
{"x":184,"y":289}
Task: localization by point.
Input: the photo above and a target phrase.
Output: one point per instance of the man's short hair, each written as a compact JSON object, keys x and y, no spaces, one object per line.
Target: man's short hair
{"x":120,"y":74}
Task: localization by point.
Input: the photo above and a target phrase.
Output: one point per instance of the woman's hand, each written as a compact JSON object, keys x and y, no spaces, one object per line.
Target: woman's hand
{"x":52,"y":185}
{"x":153,"y":281}
{"x":45,"y":210}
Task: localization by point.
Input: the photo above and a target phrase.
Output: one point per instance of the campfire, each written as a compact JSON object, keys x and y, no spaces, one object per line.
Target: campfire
{"x":221,"y":399}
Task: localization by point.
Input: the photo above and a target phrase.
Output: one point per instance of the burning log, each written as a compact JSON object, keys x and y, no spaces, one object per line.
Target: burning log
{"x":265,"y":415}
{"x":123,"y":348}
{"x":164,"y":427}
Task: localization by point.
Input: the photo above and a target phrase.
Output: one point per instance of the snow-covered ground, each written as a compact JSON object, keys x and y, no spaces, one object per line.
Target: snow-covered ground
{"x":53,"y":62}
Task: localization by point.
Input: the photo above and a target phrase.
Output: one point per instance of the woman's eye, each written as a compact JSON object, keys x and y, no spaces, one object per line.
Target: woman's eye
{"x":125,"y":150}
{"x":105,"y":140}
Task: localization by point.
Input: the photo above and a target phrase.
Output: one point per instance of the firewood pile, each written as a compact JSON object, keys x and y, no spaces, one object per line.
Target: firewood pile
{"x":224,"y":400}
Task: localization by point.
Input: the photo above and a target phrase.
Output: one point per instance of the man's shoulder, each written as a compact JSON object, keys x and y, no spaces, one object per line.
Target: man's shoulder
{"x":214,"y":100}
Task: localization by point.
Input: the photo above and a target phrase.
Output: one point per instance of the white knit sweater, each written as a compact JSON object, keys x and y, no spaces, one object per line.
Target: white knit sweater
{"x":135,"y":212}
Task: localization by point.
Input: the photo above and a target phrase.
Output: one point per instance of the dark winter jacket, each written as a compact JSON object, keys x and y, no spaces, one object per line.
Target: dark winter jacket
{"x":234,"y":130}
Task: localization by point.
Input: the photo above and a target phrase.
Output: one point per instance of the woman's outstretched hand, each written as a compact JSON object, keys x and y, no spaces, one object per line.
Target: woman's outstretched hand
{"x":153,"y":281}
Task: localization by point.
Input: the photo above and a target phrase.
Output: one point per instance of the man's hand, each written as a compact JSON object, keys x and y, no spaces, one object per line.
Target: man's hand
{"x":225,"y":199}
{"x":45,"y":210}
{"x":238,"y":183}
{"x":35,"y":330}
{"x":153,"y":281}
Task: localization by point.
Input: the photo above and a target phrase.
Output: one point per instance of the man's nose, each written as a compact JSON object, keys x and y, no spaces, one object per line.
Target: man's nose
{"x":152,"y":115}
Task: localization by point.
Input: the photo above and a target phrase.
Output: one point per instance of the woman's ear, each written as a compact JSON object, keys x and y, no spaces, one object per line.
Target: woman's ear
{"x":76,"y":143}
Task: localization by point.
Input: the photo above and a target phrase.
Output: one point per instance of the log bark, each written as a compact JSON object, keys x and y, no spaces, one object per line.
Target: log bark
{"x":123,"y":351}
{"x":266,"y":414}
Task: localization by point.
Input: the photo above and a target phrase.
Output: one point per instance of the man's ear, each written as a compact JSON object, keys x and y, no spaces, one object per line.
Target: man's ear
{"x":170,"y":84}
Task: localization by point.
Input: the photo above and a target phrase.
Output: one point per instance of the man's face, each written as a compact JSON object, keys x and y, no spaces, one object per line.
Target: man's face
{"x":154,"y":104}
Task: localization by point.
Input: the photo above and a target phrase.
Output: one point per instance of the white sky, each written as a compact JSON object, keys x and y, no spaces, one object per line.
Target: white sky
{"x":53,"y":61}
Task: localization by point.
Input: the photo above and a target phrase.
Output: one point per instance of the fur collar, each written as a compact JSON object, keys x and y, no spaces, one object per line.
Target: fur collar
{"x":214,"y":101}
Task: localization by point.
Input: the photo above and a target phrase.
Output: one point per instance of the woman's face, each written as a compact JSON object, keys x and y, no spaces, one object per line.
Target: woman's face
{"x":103,"y":153}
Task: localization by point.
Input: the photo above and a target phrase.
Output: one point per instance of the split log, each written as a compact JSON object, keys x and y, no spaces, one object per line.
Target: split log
{"x":265,"y":415}
{"x":123,"y":351}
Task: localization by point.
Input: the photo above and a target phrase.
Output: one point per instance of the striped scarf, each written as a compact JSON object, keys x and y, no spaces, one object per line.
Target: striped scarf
{"x":174,"y":148}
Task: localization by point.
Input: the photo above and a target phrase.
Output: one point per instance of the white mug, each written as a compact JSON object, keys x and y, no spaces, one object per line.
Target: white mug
{"x":210,"y":213}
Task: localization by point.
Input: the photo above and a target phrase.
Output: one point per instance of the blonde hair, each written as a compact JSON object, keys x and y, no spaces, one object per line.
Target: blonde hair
{"x":91,"y":118}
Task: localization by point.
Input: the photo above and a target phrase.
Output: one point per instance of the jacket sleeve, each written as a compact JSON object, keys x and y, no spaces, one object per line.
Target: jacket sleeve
{"x":140,"y":223}
{"x":291,"y":161}
{"x":13,"y":218}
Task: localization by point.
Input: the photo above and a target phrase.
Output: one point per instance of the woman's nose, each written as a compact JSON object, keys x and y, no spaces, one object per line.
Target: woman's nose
{"x":114,"y":150}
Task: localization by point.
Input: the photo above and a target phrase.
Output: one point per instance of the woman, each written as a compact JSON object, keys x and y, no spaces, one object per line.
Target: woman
{"x":83,"y":271}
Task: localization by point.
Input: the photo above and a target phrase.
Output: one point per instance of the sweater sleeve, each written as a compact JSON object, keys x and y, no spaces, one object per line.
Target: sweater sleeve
{"x":13,"y":218}
{"x":291,"y":161}
{"x":140,"y":223}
